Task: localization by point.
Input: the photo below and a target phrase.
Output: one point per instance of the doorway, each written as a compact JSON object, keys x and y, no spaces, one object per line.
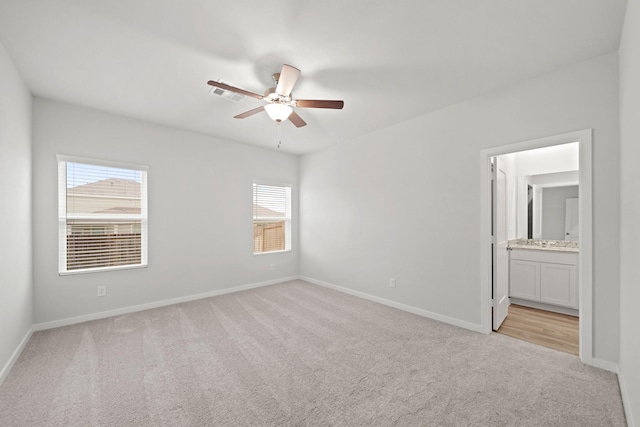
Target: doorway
{"x":583,"y":138}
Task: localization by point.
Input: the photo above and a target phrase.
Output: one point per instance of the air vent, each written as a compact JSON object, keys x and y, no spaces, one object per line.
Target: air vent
{"x":226,"y":94}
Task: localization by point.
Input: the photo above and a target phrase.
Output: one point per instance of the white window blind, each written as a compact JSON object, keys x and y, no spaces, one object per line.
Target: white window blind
{"x":102,"y":216}
{"x":271,"y":218}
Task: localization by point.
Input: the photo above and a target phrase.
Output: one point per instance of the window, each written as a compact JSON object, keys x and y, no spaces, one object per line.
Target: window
{"x":102,"y":215}
{"x":271,"y":218}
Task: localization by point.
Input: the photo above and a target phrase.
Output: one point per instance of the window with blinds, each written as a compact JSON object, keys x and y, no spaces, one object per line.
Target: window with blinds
{"x":271,"y":218}
{"x":102,"y":216}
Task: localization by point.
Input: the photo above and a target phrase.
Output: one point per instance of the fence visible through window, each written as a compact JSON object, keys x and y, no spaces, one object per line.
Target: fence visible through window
{"x":93,"y":245}
{"x":268,"y":236}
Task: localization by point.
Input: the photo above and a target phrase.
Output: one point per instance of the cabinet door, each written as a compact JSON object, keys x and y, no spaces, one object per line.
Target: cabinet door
{"x":524,"y":279}
{"x":559,"y":284}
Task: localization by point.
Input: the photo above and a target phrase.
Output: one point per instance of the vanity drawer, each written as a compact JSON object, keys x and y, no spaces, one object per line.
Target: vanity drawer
{"x":554,"y":257}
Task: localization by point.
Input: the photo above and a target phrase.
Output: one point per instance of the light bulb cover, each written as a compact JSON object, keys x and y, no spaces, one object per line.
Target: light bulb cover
{"x":278,"y":112}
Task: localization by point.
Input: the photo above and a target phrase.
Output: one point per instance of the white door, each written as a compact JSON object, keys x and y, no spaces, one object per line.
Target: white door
{"x":500,"y":256}
{"x":571,"y":221}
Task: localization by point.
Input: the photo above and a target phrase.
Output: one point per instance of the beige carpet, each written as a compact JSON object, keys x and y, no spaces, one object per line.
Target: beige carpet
{"x":296,"y":354}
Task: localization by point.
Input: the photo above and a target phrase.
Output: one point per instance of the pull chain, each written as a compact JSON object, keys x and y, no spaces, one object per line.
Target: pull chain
{"x":279,"y":135}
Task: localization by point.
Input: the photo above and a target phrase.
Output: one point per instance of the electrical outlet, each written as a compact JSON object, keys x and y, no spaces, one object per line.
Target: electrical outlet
{"x":392,"y":282}
{"x":102,"y":291}
{"x":273,"y":266}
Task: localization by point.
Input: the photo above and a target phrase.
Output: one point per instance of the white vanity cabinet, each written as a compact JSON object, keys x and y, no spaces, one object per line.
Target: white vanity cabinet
{"x":549,"y":277}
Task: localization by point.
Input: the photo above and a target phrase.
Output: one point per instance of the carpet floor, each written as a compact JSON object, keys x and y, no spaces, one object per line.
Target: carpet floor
{"x":296,"y":354}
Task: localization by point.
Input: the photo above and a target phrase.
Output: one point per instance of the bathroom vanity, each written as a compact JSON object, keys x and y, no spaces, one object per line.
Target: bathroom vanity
{"x":544,"y":274}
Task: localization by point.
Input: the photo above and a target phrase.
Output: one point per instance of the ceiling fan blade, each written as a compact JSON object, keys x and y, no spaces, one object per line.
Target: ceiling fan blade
{"x":249,"y":113}
{"x":296,"y":120}
{"x":316,"y":103}
{"x":234,"y":89}
{"x":288,"y":78}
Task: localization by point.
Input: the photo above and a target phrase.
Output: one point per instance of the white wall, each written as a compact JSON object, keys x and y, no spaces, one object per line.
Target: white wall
{"x":200,"y":211}
{"x":16,"y":299}
{"x":559,"y":158}
{"x":403,"y":202}
{"x":630,"y":212}
{"x":554,"y":200}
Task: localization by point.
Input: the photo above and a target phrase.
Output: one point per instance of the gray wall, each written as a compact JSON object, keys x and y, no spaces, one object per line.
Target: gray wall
{"x":16,"y":300}
{"x":553,"y":210}
{"x":630,"y":212}
{"x":200,"y":211}
{"x":404,"y":202}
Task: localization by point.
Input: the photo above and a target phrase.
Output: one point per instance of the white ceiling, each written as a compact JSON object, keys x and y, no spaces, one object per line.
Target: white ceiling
{"x":388,"y":60}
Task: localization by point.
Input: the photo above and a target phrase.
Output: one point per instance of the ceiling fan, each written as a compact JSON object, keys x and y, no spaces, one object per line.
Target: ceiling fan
{"x":279,"y":99}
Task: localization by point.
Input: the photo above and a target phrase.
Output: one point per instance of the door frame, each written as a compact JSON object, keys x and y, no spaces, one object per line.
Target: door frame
{"x":585,"y":256}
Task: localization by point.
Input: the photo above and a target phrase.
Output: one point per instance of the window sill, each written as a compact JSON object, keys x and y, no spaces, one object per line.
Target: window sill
{"x":272,"y":252}
{"x":101,"y":269}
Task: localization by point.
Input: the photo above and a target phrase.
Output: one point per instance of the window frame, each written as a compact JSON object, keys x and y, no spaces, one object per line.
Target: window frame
{"x":287,"y":219}
{"x":62,"y":161}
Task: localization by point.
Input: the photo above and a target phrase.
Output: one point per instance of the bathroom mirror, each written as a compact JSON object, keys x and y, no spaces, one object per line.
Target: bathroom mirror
{"x":547,"y":206}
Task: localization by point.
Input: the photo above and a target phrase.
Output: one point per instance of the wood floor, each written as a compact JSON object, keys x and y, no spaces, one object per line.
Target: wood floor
{"x":553,"y":330}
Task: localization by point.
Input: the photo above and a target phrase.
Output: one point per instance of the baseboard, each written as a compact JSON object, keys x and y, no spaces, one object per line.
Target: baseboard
{"x":548,"y":307}
{"x":601,"y":364}
{"x":626,"y":403}
{"x":14,"y":357}
{"x":135,"y":308}
{"x":394,"y":304}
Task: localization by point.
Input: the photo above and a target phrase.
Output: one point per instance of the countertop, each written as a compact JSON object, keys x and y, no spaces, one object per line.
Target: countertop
{"x":544,"y":245}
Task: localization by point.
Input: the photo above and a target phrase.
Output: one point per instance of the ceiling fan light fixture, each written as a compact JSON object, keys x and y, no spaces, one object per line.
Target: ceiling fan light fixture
{"x":278,"y":112}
